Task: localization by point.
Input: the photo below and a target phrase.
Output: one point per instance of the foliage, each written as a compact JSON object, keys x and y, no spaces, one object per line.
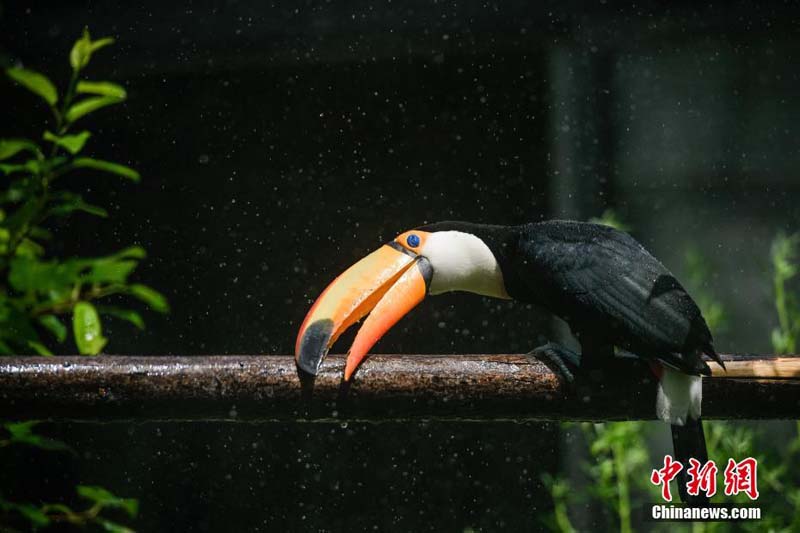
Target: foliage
{"x":560,"y":491}
{"x":22,"y":433}
{"x":46,"y":514}
{"x":621,"y":451}
{"x":784,"y":254}
{"x":37,"y":292}
{"x":610,"y":218}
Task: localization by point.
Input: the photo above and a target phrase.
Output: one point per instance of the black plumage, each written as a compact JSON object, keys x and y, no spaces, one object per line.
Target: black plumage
{"x":610,"y":289}
{"x":604,"y":284}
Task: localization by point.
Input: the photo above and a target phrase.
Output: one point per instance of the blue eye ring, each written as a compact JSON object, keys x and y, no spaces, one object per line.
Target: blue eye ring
{"x":413,"y":240}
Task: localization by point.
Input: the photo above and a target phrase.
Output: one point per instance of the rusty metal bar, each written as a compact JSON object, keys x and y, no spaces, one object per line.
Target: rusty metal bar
{"x":388,"y":387}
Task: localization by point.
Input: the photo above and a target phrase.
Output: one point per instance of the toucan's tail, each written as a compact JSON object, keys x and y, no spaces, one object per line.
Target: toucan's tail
{"x":679,"y":403}
{"x":689,"y":441}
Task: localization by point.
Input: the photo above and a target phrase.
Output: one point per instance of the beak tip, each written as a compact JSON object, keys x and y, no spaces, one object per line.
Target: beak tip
{"x":304,"y":370}
{"x":350,"y":367}
{"x":313,"y":347}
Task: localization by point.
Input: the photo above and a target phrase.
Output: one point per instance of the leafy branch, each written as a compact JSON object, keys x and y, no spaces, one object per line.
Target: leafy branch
{"x":35,"y":291}
{"x":784,"y":255}
{"x":40,"y":516}
{"x":54,"y":513}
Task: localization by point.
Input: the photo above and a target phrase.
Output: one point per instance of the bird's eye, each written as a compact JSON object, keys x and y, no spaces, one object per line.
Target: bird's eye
{"x":413,"y":240}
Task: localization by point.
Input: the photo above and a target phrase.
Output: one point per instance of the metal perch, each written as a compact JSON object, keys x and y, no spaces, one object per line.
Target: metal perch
{"x":388,"y":387}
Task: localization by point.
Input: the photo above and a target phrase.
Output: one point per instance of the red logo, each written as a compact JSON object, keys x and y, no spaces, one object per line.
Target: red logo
{"x":741,"y":477}
{"x":701,"y":479}
{"x":738,"y":477}
{"x":665,"y":475}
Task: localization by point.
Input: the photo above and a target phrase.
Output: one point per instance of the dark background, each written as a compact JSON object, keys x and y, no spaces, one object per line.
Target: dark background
{"x":278,"y":143}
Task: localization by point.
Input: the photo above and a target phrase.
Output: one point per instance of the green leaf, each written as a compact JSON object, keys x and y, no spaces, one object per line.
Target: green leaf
{"x":84,"y":47}
{"x":29,"y":167}
{"x":95,"y":494}
{"x":29,"y":248}
{"x":69,"y":203}
{"x":123,"y":314}
{"x":130,"y":505}
{"x":10,"y":147}
{"x":33,"y":514}
{"x":37,"y":232}
{"x":71,"y":143}
{"x":110,"y":271}
{"x":780,"y":341}
{"x":106,"y":166}
{"x":19,"y":430}
{"x":101,"y":43}
{"x":105,"y":498}
{"x":102,"y":88}
{"x":87,"y":328}
{"x":58,"y":507}
{"x":23,"y":217}
{"x":89,"y":105}
{"x":40,"y":348}
{"x":81,"y":51}
{"x":610,"y":218}
{"x":22,"y":433}
{"x":131,"y":252}
{"x":151,"y":297}
{"x":112,"y":527}
{"x":52,"y":324}
{"x":80,"y":206}
{"x":31,"y":275}
{"x":34,"y":82}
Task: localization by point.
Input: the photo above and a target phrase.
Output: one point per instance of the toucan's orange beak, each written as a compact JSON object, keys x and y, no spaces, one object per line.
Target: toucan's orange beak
{"x":389,"y":282}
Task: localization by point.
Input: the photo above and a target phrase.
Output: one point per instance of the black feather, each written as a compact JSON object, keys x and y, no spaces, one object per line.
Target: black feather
{"x":689,"y":441}
{"x":603,"y":282}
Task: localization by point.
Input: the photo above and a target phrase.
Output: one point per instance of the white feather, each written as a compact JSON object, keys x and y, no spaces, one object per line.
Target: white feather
{"x":463,"y":262}
{"x":679,"y":396}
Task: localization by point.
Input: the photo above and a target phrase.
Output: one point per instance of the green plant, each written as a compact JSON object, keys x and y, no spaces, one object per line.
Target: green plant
{"x":784,"y":255}
{"x":36,"y":291}
{"x":610,"y":218}
{"x":47,"y":514}
{"x":619,"y":451}
{"x":560,"y":492}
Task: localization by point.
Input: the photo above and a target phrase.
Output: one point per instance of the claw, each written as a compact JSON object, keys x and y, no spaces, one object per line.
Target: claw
{"x":562,"y":360}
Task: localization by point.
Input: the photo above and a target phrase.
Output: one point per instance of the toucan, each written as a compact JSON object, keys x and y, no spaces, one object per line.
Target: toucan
{"x":604,"y":284}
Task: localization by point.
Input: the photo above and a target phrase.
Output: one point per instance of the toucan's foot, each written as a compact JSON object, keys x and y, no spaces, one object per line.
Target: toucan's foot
{"x":560,"y":358}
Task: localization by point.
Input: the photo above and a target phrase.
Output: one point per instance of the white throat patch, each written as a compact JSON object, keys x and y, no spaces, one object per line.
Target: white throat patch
{"x":463,"y":262}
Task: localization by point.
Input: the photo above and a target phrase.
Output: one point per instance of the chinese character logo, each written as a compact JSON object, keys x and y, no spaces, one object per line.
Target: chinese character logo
{"x":741,"y":477}
{"x":665,"y":475}
{"x":738,"y":477}
{"x":701,"y":479}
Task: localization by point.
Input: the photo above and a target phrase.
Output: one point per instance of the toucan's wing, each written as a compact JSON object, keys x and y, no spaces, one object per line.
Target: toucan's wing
{"x":600,"y":278}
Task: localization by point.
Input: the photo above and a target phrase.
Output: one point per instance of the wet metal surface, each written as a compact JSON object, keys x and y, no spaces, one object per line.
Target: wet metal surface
{"x":388,"y":387}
